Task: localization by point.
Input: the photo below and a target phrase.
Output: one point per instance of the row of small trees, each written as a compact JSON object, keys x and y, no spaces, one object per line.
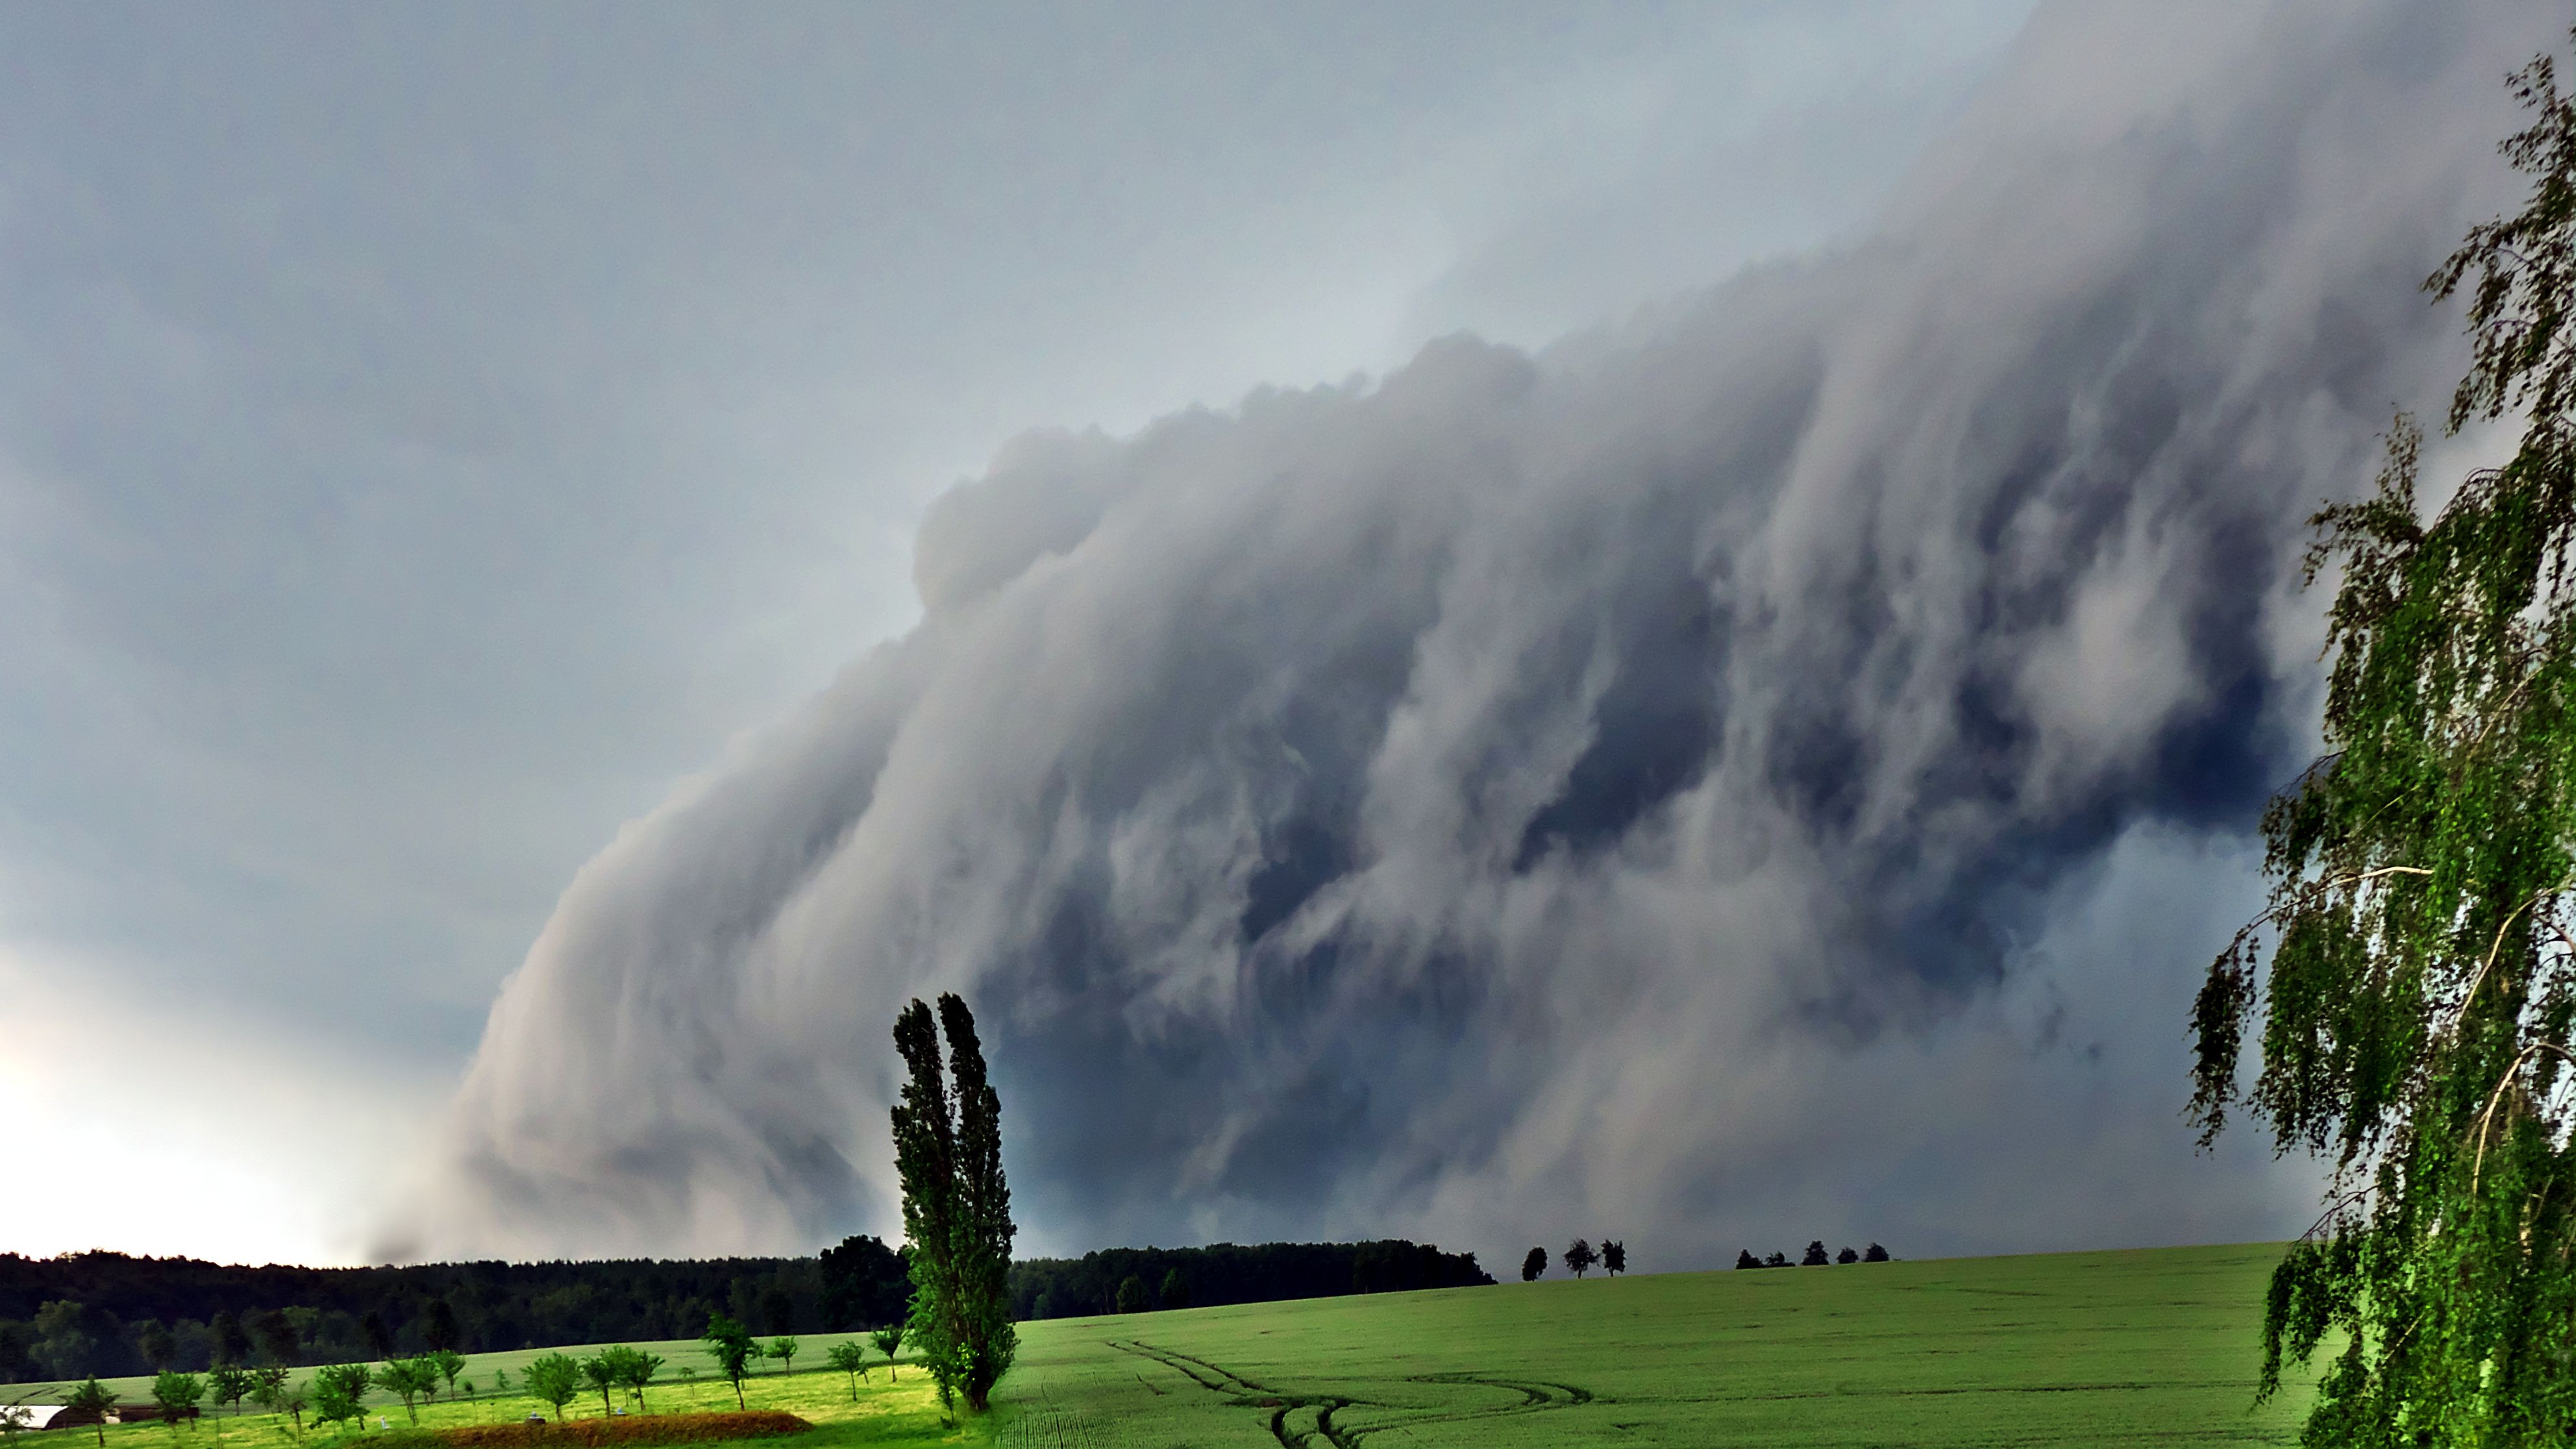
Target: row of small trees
{"x":1580,"y":1258}
{"x":1816,"y":1257}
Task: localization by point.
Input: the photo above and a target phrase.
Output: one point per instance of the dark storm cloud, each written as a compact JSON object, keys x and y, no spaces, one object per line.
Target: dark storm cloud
{"x":1776,"y":765}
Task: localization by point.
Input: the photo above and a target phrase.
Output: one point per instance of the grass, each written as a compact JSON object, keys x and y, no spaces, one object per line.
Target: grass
{"x":2149,"y":1347}
{"x":2154,"y":1347}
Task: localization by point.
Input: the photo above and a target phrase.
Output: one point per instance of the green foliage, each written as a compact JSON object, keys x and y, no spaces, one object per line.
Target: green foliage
{"x":1579,"y":1257}
{"x":1176,"y":1290}
{"x":1534,"y":1265}
{"x":731,"y":1346}
{"x":1131,"y":1295}
{"x":340,"y":1392}
{"x":632,"y":1369}
{"x":2419,"y":985}
{"x":176,"y":1393}
{"x":449,"y":1364}
{"x":956,"y":1205}
{"x":600,"y":1372}
{"x":849,"y":1357}
{"x":408,"y":1379}
{"x":229,"y":1384}
{"x":92,"y":1398}
{"x":783,"y":1349}
{"x":553,"y":1379}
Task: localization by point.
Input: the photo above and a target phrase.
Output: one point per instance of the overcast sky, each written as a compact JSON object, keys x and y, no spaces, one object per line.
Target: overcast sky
{"x":433,"y":437}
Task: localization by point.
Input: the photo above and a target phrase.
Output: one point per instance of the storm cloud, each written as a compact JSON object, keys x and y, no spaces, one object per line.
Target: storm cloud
{"x":1770,"y":768}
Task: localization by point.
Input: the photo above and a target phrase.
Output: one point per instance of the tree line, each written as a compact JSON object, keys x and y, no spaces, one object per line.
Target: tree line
{"x":1223,"y":1273}
{"x":1816,"y":1257}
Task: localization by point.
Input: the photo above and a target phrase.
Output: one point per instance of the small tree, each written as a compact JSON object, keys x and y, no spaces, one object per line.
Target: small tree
{"x":449,"y":1364}
{"x":407,"y":1379}
{"x":1876,"y":1254}
{"x":1614,"y":1257}
{"x":553,"y":1379}
{"x":1579,"y":1257}
{"x":228,"y":1384}
{"x":849,"y":1357}
{"x":1534,"y":1265}
{"x":600,"y":1372}
{"x":1846,"y":1255}
{"x":177,"y":1394}
{"x":1816,"y":1256}
{"x":1776,"y":1260}
{"x":731,"y":1346}
{"x":340,"y":1392}
{"x":784,"y":1349}
{"x":268,"y":1388}
{"x":1744,"y":1259}
{"x":500,"y":1381}
{"x":635,"y":1369}
{"x":91,"y":1399}
{"x":1131,"y":1295}
{"x":889,"y":1341}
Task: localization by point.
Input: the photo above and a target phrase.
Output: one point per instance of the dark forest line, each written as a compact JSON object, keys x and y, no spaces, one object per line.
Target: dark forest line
{"x":113,"y":1314}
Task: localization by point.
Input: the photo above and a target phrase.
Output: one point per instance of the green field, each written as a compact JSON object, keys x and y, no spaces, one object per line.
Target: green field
{"x":2147,"y":1347}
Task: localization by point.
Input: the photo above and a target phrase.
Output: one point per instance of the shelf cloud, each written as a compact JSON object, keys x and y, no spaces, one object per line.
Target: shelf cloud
{"x":1770,"y":768}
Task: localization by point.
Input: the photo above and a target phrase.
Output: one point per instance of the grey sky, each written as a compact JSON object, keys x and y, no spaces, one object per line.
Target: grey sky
{"x":428,"y":434}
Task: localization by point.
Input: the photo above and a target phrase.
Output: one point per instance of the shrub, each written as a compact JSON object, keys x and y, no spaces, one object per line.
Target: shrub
{"x":652,"y":1429}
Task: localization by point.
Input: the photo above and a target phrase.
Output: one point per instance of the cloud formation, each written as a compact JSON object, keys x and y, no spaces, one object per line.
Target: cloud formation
{"x":1770,"y":769}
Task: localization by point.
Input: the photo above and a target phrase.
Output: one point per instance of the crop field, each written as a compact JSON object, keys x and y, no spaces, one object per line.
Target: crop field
{"x":2154,"y":1347}
{"x":2149,"y":1347}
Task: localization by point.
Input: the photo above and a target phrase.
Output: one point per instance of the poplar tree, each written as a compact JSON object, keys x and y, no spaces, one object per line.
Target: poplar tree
{"x":2414,"y":976}
{"x":956,"y":1205}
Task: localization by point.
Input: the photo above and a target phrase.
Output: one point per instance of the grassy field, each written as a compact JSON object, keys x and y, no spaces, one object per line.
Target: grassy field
{"x":2150,"y":1347}
{"x":2071,"y":1349}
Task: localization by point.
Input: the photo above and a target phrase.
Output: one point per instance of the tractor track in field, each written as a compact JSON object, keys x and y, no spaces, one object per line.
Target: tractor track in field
{"x":1537,"y":1396}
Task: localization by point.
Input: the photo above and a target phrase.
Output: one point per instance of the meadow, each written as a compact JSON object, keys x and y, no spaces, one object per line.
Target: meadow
{"x":2142,"y":1347}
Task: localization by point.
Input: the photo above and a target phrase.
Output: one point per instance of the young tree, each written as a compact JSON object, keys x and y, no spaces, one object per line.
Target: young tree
{"x":1816,"y":1257}
{"x":1776,"y":1260}
{"x":449,"y":1364}
{"x":1176,"y":1289}
{"x":229,"y":1384}
{"x":849,"y":1357}
{"x":1614,"y":1257}
{"x":889,"y":1341}
{"x":1131,"y":1295}
{"x":340,"y":1392}
{"x":634,"y":1370}
{"x":91,"y":1401}
{"x":1744,"y":1259}
{"x":2413,"y":971}
{"x":1533,"y":1265}
{"x":555,"y":1379}
{"x":1847,"y":1255}
{"x":177,"y":1394}
{"x":408,"y":1379}
{"x":732,"y":1347}
{"x":1579,"y":1257}
{"x":600,"y":1372}
{"x":1876,"y":1254}
{"x":783,"y":1349}
{"x":956,"y":1205}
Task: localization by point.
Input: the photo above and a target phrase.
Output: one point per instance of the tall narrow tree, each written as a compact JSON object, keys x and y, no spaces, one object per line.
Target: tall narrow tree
{"x":2415,"y":973}
{"x":956,"y":1205}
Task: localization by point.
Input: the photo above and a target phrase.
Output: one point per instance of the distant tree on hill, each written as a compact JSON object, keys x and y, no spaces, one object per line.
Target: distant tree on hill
{"x":1744,"y":1259}
{"x":438,"y":1328}
{"x":1579,"y":1257}
{"x":1176,"y":1290}
{"x":1776,"y":1260}
{"x":1614,"y":1257}
{"x":889,"y":1341}
{"x":1131,"y":1295}
{"x":232,"y":1345}
{"x":1534,"y":1265}
{"x":379,"y":1335}
{"x":1816,"y":1257}
{"x":731,"y":1346}
{"x":92,"y":1401}
{"x":864,"y":1283}
{"x":1847,"y":1255}
{"x":64,"y":1342}
{"x":1876,"y":1254}
{"x":177,"y":1394}
{"x":849,"y":1356}
{"x":155,"y":1342}
{"x":276,"y":1335}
